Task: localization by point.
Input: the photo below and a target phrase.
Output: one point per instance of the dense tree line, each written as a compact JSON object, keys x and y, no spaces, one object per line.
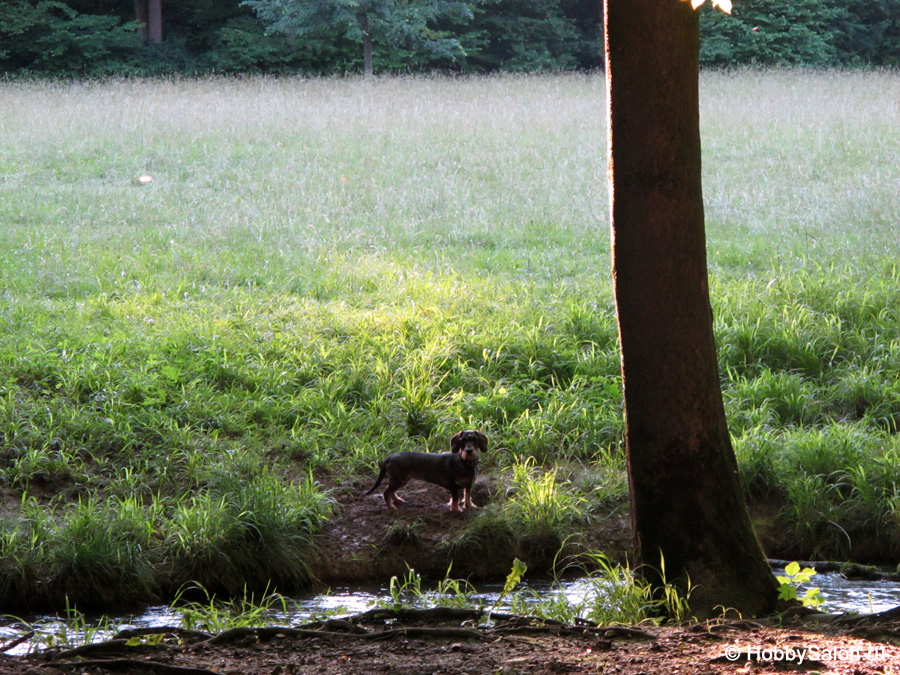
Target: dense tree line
{"x":103,"y":37}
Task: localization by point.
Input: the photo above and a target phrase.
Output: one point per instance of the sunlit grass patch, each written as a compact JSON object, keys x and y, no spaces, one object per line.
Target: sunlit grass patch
{"x":538,"y":503}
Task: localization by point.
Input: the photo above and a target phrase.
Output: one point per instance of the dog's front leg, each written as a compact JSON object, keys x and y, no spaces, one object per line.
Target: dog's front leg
{"x":454,"y":501}
{"x":469,"y":504}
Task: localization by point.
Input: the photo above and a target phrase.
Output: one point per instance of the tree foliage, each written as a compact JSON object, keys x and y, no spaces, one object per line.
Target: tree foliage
{"x":53,"y":37}
{"x":409,"y":26}
{"x":532,"y":35}
{"x":99,"y":37}
{"x":802,"y":32}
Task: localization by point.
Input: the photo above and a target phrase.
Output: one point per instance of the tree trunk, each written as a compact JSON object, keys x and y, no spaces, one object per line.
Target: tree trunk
{"x":368,"y":60}
{"x":140,"y":15}
{"x":154,"y":21}
{"x":686,"y":499}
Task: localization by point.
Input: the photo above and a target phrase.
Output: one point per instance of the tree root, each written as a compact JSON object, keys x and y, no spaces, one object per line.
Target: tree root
{"x":238,"y":634}
{"x":132,"y":665}
{"x":180,"y":633}
{"x":891,"y":614}
{"x":449,"y":614}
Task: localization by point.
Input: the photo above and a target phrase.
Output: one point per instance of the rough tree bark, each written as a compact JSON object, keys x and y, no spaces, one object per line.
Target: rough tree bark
{"x":154,"y":23}
{"x":368,"y":59}
{"x":140,"y":15}
{"x":148,"y":13}
{"x":687,"y":504}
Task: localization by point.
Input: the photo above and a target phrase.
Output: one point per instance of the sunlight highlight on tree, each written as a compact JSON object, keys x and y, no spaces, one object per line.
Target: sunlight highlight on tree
{"x":724,"y":5}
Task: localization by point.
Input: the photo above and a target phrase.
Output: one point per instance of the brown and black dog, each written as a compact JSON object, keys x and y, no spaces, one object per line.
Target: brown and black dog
{"x":454,"y":470}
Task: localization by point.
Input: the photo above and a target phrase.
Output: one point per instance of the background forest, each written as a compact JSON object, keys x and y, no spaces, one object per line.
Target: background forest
{"x":92,"y":38}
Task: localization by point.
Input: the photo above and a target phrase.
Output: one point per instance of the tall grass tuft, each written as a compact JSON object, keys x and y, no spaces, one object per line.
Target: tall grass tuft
{"x":538,"y":504}
{"x":246,"y":529}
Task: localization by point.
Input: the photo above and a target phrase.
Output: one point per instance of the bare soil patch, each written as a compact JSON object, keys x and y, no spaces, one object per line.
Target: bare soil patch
{"x":365,"y":541}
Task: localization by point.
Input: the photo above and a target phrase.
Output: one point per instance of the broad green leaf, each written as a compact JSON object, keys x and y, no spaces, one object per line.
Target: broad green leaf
{"x":515,"y":576}
{"x":787,"y":592}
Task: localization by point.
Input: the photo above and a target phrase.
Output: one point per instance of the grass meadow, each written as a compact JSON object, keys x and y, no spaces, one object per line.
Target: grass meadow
{"x":325,"y":271}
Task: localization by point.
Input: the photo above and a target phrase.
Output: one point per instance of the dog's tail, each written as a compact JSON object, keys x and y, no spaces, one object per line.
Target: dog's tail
{"x":379,"y":479}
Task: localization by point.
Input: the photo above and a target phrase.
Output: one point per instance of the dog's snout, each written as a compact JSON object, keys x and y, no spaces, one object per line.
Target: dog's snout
{"x":469,"y":450}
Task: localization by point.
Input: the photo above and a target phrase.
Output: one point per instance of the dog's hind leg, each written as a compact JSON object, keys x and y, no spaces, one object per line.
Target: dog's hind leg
{"x":390,"y":495}
{"x":390,"y":498}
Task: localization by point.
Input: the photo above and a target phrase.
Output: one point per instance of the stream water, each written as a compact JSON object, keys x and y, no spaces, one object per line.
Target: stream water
{"x":838,"y":595}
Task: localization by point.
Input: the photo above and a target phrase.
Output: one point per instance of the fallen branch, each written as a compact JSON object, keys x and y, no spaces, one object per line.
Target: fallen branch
{"x":107,"y":647}
{"x":181,"y":633}
{"x":15,"y":642}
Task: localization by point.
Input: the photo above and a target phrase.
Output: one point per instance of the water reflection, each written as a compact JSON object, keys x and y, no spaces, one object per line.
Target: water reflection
{"x":844,"y":595}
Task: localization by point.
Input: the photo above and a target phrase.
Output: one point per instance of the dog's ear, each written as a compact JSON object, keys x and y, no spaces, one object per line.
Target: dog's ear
{"x":455,"y":441}
{"x":482,"y":441}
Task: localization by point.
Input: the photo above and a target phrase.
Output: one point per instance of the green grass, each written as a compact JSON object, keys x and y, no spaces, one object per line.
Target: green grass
{"x":323,"y":271}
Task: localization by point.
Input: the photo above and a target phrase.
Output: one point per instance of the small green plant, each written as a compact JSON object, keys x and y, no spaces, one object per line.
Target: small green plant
{"x":403,"y":532}
{"x":405,"y":592}
{"x":454,"y":593}
{"x":513,"y":579}
{"x":151,"y":640}
{"x":790,"y":582}
{"x":673,"y":602}
{"x":214,"y":615}
{"x":74,"y":630}
{"x":608,"y":594}
{"x":410,"y":591}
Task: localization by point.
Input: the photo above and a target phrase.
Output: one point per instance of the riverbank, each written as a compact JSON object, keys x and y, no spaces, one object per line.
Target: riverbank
{"x":449,"y":642}
{"x":364,"y":543}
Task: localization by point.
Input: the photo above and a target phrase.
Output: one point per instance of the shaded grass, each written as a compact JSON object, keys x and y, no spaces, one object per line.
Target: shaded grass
{"x":323,"y":271}
{"x":244,"y":529}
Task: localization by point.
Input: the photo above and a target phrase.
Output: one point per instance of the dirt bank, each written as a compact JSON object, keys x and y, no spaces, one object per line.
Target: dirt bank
{"x":365,"y":541}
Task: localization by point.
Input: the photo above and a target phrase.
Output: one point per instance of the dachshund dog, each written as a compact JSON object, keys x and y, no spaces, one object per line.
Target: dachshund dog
{"x":454,"y":470}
